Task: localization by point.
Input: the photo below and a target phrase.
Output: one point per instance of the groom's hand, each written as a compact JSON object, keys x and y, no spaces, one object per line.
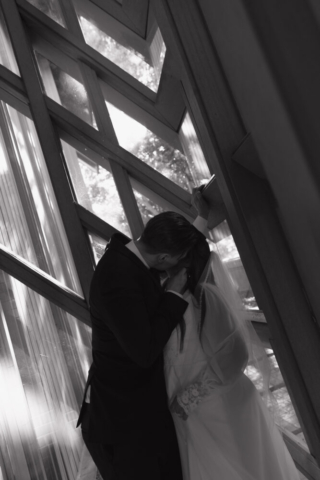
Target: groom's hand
{"x":177,"y":283}
{"x":176,"y":408}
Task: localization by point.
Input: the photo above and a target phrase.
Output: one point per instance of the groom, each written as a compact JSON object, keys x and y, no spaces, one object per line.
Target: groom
{"x":126,"y":423}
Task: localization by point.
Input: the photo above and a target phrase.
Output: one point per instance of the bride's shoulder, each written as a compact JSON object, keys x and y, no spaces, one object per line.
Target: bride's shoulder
{"x":190,"y":298}
{"x":192,"y":313}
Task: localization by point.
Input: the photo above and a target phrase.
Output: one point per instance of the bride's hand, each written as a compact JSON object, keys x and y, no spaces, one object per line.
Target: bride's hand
{"x":177,"y":283}
{"x":176,"y":408}
{"x":199,"y":202}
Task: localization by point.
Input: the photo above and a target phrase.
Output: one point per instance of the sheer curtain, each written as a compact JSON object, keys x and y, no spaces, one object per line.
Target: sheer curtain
{"x":44,"y":351}
{"x":30,"y":221}
{"x":44,"y":359}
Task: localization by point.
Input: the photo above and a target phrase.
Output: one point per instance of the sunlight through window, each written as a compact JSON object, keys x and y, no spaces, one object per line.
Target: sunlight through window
{"x":51,"y":8}
{"x":95,"y":189}
{"x":30,"y":222}
{"x":126,"y":57}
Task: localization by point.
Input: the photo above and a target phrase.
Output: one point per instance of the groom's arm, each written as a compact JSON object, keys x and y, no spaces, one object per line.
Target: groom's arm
{"x":121,"y":306}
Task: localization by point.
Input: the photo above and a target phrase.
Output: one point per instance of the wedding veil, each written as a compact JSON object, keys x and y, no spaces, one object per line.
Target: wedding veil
{"x":228,"y":339}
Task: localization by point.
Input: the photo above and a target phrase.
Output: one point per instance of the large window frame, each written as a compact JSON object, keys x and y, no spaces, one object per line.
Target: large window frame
{"x":164,"y":110}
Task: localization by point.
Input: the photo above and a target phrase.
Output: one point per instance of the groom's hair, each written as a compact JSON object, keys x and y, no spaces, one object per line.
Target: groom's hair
{"x":169,"y":232}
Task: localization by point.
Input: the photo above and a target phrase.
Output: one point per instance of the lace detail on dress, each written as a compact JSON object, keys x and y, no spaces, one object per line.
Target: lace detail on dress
{"x":197,"y":391}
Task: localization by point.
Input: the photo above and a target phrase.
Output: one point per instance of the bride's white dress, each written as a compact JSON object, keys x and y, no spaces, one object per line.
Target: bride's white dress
{"x":229,"y":433}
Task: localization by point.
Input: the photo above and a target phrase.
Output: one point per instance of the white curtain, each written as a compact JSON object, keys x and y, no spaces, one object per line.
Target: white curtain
{"x":44,"y":359}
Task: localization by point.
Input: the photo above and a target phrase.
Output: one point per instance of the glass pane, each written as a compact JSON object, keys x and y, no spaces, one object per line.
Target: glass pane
{"x":193,"y":152}
{"x":51,"y":8}
{"x":95,"y":188}
{"x":280,"y":404}
{"x":149,"y":202}
{"x":125,"y":56}
{"x":7,"y":57}
{"x":65,"y":90}
{"x":229,"y":254}
{"x":98,"y":246}
{"x":30,"y":222}
{"x":147,"y":207}
{"x":151,"y":149}
{"x":45,"y":354}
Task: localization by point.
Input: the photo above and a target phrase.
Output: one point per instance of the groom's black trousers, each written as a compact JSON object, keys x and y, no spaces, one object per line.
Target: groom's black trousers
{"x":144,"y":455}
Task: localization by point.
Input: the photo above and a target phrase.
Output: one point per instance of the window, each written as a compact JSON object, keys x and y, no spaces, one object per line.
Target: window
{"x":31,"y":226}
{"x":280,"y":403}
{"x":98,"y":246}
{"x":51,"y":8}
{"x":7,"y":58}
{"x":152,"y":156}
{"x":155,"y":151}
{"x":95,"y":188}
{"x":113,"y":41}
{"x":45,"y":356}
{"x":65,"y":90}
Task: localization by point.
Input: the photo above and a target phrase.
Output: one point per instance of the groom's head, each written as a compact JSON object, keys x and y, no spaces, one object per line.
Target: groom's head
{"x":166,"y":239}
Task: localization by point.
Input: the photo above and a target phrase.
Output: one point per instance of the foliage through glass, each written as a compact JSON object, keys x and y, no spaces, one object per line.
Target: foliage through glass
{"x":51,"y":8}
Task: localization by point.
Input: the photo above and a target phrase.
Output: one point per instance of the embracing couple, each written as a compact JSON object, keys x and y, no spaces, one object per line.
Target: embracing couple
{"x":166,"y":397}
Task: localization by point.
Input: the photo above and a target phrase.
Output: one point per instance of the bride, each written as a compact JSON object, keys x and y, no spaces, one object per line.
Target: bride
{"x":224,"y":429}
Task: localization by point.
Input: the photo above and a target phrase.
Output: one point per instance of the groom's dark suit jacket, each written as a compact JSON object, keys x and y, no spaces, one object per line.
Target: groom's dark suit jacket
{"x":132,"y":319}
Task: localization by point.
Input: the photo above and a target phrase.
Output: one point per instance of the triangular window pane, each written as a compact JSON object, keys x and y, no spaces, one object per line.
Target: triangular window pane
{"x":95,"y":188}
{"x":51,"y":8}
{"x":150,"y":203}
{"x":65,"y":90}
{"x":30,"y":222}
{"x":281,"y":405}
{"x":147,"y":207}
{"x":7,"y":57}
{"x":151,"y":149}
{"x":98,"y":246}
{"x":193,"y":151}
{"x":147,"y":71}
{"x":229,"y":254}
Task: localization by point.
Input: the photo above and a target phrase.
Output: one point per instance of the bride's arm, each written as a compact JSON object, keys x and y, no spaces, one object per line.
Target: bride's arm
{"x":188,"y":399}
{"x":227,"y":357}
{"x":222,"y":370}
{"x":200,"y":204}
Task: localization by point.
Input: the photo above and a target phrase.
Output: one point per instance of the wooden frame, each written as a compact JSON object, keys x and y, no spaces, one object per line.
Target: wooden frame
{"x":71,"y":19}
{"x":250,"y":210}
{"x":133,"y":13}
{"x":49,"y":144}
{"x":241,"y":197}
{"x":44,"y":285}
{"x":163,"y":105}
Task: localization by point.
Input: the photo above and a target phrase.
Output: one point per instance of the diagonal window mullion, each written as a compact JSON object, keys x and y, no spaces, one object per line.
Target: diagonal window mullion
{"x":48,"y":141}
{"x":13,"y":85}
{"x":44,"y":285}
{"x":99,"y":143}
{"x":133,"y":13}
{"x":95,"y":224}
{"x":27,"y":200}
{"x":107,"y":70}
{"x":106,"y":127}
{"x":128,"y":200}
{"x":71,"y":18}
{"x":99,"y":108}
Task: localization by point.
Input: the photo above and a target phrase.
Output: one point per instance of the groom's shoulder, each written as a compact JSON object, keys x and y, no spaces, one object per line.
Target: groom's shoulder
{"x":118,"y":239}
{"x":117,"y":254}
{"x":117,"y":243}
